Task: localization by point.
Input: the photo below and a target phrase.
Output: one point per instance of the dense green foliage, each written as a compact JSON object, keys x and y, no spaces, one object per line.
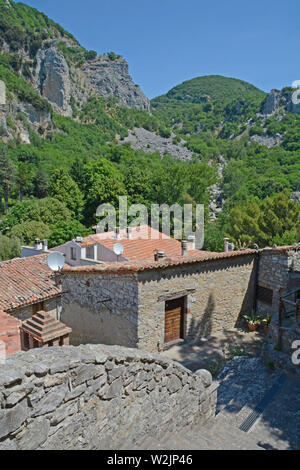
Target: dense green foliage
{"x":204,"y":103}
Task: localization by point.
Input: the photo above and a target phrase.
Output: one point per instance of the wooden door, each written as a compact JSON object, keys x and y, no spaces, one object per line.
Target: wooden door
{"x":174,"y":320}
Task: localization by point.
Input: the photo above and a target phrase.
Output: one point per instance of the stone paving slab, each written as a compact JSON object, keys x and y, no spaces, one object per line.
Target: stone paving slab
{"x":214,"y":351}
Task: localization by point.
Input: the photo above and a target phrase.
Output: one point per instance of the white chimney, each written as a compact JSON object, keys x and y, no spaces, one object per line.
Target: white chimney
{"x":226,"y":243}
{"x":117,"y":233}
{"x":129,"y":233}
{"x":184,"y":247}
{"x":37,"y":244}
{"x":45,"y":245}
{"x":191,"y":242}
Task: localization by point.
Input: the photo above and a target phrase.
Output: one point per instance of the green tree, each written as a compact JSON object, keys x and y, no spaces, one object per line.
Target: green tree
{"x":48,"y":210}
{"x":271,"y":221}
{"x":41,"y":183}
{"x":24,"y":179}
{"x":28,"y":231}
{"x":64,"y":189}
{"x":7,"y":175}
{"x":66,"y":231}
{"x":9,"y":247}
{"x":103,"y":185}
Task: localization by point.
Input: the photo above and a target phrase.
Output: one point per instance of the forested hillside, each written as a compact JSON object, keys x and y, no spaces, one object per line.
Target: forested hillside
{"x":62,"y":150}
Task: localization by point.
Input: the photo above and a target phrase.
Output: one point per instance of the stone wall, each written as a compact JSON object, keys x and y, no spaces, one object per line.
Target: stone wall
{"x":125,"y":309}
{"x":52,"y":306}
{"x":275,"y":268}
{"x":100,"y":309}
{"x":221,"y":292}
{"x":97,"y":397}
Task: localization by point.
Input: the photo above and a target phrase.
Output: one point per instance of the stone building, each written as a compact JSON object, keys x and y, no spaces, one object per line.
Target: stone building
{"x":153,"y":304}
{"x":278,"y":293}
{"x":27,"y":285}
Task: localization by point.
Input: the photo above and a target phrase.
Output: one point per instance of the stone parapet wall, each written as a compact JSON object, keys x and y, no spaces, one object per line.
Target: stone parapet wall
{"x":97,"y":397}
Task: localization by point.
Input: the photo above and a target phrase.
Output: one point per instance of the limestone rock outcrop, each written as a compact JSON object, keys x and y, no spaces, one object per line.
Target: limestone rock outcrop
{"x":277,"y":100}
{"x":53,"y":79}
{"x":111,"y":78}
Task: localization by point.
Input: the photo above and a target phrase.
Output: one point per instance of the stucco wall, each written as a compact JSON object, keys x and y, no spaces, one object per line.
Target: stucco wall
{"x":224,"y":290}
{"x":100,"y":309}
{"x":97,"y":397}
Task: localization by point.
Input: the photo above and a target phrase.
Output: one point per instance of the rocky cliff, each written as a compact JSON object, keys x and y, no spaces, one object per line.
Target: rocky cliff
{"x":277,"y":100}
{"x":110,"y":77}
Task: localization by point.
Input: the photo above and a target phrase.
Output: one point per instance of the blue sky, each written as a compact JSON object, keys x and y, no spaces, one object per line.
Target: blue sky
{"x":169,"y":41}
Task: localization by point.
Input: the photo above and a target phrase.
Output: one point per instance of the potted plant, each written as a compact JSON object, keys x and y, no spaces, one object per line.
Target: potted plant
{"x":267,"y":322}
{"x":253,"y":321}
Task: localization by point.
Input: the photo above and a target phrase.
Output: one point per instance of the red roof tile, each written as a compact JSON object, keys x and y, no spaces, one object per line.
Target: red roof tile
{"x":9,"y":335}
{"x":138,"y":266}
{"x":24,"y":281}
{"x":145,"y":241}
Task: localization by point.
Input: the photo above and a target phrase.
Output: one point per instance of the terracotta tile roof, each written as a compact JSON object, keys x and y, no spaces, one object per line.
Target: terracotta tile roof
{"x":43,"y":327}
{"x":125,"y":267}
{"x":145,"y":240}
{"x":24,"y":281}
{"x":9,"y":334}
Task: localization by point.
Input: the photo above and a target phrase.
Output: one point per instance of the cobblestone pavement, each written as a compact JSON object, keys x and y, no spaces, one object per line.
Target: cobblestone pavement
{"x":212,"y":352}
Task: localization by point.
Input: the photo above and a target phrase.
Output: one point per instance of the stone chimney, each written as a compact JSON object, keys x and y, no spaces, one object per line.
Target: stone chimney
{"x":184,"y":247}
{"x":226,"y":245}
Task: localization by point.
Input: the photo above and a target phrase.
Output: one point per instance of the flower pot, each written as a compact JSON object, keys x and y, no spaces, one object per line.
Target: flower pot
{"x":253,"y":326}
{"x":266,"y":330}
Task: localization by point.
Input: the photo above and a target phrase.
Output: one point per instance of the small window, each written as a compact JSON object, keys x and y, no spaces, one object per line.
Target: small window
{"x":90,"y":252}
{"x":265,"y":295}
{"x":73,"y":254}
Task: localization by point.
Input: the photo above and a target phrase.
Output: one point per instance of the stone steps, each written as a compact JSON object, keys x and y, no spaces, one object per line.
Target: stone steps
{"x":216,"y":435}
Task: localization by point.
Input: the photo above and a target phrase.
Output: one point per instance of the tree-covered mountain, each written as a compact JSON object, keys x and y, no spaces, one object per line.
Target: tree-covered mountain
{"x":75,"y":131}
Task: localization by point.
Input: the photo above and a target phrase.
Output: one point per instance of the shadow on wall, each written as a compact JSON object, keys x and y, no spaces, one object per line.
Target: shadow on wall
{"x":203,"y":327}
{"x":249,"y":301}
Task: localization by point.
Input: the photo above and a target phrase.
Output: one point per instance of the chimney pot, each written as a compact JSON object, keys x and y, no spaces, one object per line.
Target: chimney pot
{"x":159,"y":255}
{"x":45,"y":245}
